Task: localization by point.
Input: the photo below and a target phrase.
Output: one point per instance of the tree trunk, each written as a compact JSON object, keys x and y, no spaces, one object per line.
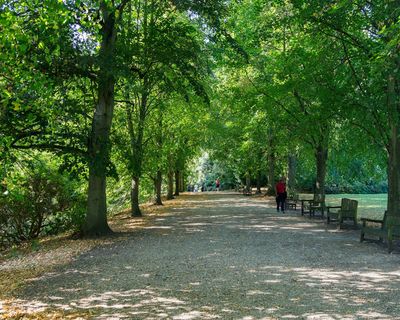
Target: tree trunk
{"x":135,"y":209}
{"x":159,"y":144}
{"x":177,"y":182}
{"x":258,"y":181}
{"x":99,"y":140}
{"x":292,"y":164}
{"x":96,"y":217}
{"x":136,"y":141}
{"x":157,"y":187}
{"x":393,"y":204}
{"x":170,"y":191}
{"x":248,"y":181}
{"x":271,"y":173}
{"x":321,"y":156}
{"x":271,"y":164}
{"x":182,"y":186}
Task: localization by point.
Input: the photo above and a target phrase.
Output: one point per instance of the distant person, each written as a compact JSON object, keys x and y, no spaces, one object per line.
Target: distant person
{"x":281,"y":194}
{"x":217,"y":183}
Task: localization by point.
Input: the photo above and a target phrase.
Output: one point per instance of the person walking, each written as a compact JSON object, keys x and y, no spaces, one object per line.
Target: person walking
{"x":217,"y":184}
{"x":281,"y":194}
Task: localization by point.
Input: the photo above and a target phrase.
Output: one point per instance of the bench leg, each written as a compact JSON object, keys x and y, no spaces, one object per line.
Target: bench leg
{"x":340,"y":219}
{"x":390,"y":246}
{"x":390,"y":240}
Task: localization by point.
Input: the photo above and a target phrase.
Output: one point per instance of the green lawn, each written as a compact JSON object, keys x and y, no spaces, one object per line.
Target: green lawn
{"x":369,"y":205}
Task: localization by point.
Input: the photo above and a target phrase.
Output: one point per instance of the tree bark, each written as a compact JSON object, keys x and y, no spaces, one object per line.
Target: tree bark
{"x":177,"y":182}
{"x":159,"y":144}
{"x":321,"y":156}
{"x":271,"y":164}
{"x":170,"y":188}
{"x":182,"y":186}
{"x":99,"y":140}
{"x":170,"y":177}
{"x":135,"y":209}
{"x":157,"y":187}
{"x":271,"y":173}
{"x":136,"y":141}
{"x":248,"y":181}
{"x":292,"y":164}
{"x":393,"y":204}
{"x":258,"y":181}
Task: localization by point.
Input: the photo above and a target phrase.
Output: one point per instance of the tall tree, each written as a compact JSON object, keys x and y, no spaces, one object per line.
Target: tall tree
{"x":369,"y":38}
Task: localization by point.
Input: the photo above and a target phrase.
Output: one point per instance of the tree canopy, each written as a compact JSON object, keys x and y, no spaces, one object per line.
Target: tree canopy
{"x":121,"y":97}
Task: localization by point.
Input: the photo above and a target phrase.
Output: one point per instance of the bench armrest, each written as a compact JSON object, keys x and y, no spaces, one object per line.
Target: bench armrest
{"x":371,"y":220}
{"x":332,"y":207}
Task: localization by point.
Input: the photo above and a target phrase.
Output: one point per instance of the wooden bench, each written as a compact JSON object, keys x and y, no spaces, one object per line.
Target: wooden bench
{"x":291,"y":202}
{"x":387,"y":229}
{"x":312,"y":206}
{"x":346,"y":211}
{"x":247,"y":192}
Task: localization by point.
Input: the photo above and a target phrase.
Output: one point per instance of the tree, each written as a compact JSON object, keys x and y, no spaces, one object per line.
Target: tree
{"x":369,"y":37}
{"x":70,"y":45}
{"x":163,"y":52}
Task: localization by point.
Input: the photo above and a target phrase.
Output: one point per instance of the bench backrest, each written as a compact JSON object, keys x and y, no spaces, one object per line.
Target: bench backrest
{"x":318,"y":197}
{"x":349,"y":208}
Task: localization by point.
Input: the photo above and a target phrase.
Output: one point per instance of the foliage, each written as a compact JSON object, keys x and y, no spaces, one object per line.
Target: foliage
{"x":249,"y":82}
{"x":38,"y":201}
{"x":204,"y":173}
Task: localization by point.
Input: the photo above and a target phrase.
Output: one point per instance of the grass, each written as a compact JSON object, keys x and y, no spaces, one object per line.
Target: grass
{"x":369,"y":205}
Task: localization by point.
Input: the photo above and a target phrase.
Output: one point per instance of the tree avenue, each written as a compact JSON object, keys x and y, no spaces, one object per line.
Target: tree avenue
{"x":120,"y":97}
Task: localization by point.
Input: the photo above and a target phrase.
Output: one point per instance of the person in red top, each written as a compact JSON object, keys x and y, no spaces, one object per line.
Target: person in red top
{"x":217,"y":183}
{"x":281,"y":195}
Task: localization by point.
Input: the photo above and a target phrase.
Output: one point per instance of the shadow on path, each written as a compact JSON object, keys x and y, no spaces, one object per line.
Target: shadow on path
{"x":225,"y":256}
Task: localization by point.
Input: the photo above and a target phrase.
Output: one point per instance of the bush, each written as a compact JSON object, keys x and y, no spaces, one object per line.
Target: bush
{"x":39,"y":203}
{"x":357,"y":187}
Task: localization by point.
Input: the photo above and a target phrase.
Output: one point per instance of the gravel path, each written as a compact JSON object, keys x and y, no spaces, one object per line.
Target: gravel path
{"x":225,"y":256}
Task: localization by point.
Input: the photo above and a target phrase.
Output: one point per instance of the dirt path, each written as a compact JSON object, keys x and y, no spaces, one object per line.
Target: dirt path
{"x":225,"y":256}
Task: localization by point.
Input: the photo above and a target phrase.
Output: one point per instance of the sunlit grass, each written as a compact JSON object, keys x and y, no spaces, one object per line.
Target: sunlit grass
{"x":369,"y":205}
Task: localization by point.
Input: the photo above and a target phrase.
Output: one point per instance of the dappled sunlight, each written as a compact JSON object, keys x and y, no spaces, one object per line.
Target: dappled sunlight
{"x":301,"y":285}
{"x":357,"y":279}
{"x":158,"y":227}
{"x":232,"y":256}
{"x":255,"y":292}
{"x":195,"y":315}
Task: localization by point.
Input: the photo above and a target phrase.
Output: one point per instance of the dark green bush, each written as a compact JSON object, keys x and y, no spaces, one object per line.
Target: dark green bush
{"x":38,"y":203}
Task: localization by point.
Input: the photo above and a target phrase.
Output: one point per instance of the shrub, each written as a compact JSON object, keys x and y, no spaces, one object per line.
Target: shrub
{"x":39,"y":203}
